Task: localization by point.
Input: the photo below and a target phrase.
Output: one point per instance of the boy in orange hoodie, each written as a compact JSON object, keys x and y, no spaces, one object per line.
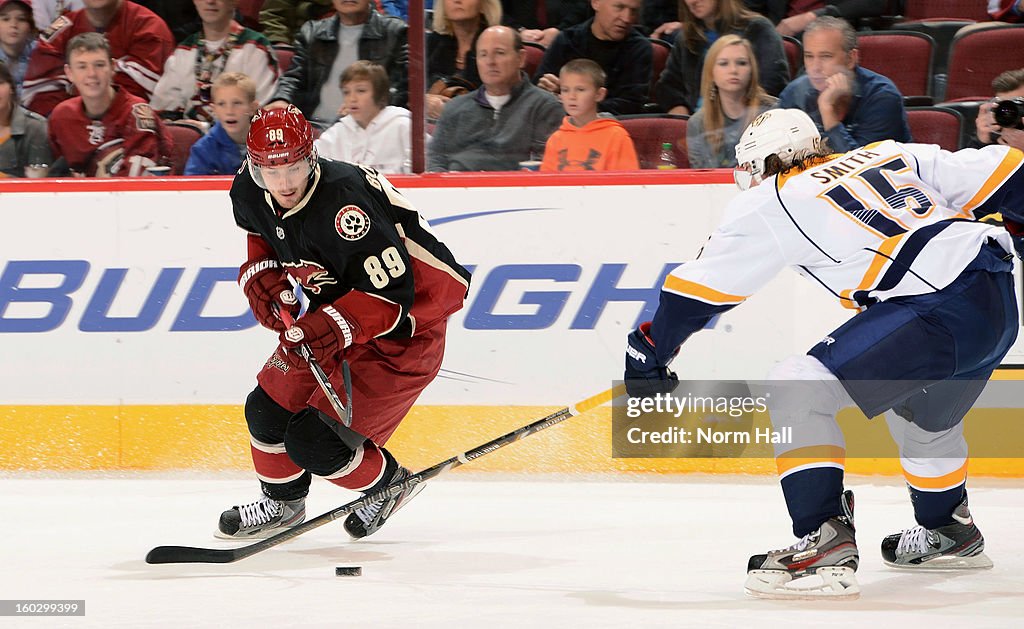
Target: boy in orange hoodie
{"x":584,"y":141}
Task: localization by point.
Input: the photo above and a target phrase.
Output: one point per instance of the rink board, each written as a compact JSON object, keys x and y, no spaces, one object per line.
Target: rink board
{"x":127,"y":345}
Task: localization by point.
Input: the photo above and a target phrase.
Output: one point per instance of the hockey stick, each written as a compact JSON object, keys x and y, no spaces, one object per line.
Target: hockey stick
{"x":344,"y":412}
{"x":187,"y":554}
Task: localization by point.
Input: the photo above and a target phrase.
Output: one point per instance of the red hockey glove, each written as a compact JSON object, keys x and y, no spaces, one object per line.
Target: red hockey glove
{"x":1017,"y":234}
{"x":267,"y":288}
{"x":325,"y":331}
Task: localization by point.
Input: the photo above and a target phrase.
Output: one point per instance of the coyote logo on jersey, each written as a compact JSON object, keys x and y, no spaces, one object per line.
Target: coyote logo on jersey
{"x":352,"y":223}
{"x":310,"y":275}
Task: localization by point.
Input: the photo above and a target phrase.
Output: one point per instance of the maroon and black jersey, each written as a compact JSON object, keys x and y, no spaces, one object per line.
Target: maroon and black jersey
{"x":128,"y":138}
{"x":355,"y":242}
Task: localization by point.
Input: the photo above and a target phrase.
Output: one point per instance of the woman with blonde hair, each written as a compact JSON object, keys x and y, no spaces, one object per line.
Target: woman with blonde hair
{"x":702,"y":22}
{"x":731,"y":97}
{"x":451,"y":55}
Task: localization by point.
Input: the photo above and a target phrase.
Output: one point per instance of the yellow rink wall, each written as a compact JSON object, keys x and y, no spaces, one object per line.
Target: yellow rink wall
{"x":214,"y":438}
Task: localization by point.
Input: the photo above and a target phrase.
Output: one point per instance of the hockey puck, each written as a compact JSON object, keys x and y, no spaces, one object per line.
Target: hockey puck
{"x":348,"y":571}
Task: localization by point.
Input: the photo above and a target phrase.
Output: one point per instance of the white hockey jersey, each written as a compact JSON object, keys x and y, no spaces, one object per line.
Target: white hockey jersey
{"x":882,"y":221}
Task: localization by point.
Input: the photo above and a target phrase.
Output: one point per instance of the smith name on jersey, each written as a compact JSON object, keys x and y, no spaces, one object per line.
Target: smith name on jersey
{"x":882,"y":221}
{"x":354,"y":241}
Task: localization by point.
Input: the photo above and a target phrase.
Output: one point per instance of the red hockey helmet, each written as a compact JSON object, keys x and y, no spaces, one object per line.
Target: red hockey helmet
{"x":278,"y":137}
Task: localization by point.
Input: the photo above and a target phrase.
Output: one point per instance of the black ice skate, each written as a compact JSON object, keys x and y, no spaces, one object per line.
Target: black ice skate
{"x":261,"y":518}
{"x":956,"y":546}
{"x":829,"y":553}
{"x":367,"y":520}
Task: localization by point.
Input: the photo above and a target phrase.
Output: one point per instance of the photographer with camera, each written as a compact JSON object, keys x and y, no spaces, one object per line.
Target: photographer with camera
{"x":1001,"y":120}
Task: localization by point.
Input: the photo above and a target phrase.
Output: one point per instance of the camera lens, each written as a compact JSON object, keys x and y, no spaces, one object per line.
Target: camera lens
{"x":1008,"y":113}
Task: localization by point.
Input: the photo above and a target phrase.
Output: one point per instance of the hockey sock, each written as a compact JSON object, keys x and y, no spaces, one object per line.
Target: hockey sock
{"x":933,"y":509}
{"x":369,"y":466}
{"x":279,"y":477}
{"x":812,"y":497}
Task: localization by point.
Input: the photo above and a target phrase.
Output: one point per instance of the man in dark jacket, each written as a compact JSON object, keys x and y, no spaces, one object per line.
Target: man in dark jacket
{"x":282,"y":19}
{"x":852,"y":106}
{"x":609,"y":39}
{"x":502,"y":122}
{"x":324,"y":48}
{"x":540,"y":21}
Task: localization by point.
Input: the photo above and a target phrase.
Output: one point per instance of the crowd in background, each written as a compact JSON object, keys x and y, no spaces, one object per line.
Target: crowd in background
{"x":105,"y":87}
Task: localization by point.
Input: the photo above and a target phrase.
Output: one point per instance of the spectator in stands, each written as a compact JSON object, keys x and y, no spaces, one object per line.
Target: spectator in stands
{"x":1007,"y":86}
{"x":1006,"y":10}
{"x":23,"y":141}
{"x":586,"y":141}
{"x":179,"y":15}
{"x":609,"y":39}
{"x":44,"y":12}
{"x":324,"y":48}
{"x":397,"y":8}
{"x":852,"y":106}
{"x":540,"y":21}
{"x":792,"y":17}
{"x":282,"y":19}
{"x":17,"y":38}
{"x":661,"y":18}
{"x":703,"y":21}
{"x":139,"y":39}
{"x":221,"y":151}
{"x":501,"y":123}
{"x":105,"y":131}
{"x":221,"y":45}
{"x":732,"y":98}
{"x":451,"y":56}
{"x":372,"y":132}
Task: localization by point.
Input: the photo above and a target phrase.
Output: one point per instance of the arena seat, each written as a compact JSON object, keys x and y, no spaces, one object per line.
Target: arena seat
{"x":660,"y":50}
{"x":976,"y":10}
{"x":534,"y":55}
{"x":184,"y":136}
{"x":905,"y":57}
{"x":979,"y":55}
{"x":936,"y":125}
{"x":284,"y":58}
{"x":794,"y":55}
{"x":650,"y":131}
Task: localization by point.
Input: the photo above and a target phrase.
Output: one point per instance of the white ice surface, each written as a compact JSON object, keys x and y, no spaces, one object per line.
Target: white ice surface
{"x":471,"y":551}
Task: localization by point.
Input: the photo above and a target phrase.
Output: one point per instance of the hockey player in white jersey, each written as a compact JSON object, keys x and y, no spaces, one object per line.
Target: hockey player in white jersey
{"x":888,"y":229}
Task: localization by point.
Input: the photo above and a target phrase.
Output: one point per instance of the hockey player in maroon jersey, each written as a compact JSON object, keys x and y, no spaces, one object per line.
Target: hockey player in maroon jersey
{"x":105,"y":131}
{"x":380,"y":287}
{"x":140,"y":43}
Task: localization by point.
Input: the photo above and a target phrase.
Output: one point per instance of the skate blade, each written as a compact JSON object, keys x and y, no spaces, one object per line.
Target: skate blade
{"x":260,"y":535}
{"x":946,"y":564}
{"x":241,"y":538}
{"x":830,"y":582}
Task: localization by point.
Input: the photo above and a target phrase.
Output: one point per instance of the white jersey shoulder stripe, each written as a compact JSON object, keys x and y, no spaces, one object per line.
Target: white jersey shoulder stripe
{"x":693,"y":290}
{"x":1011,"y":162}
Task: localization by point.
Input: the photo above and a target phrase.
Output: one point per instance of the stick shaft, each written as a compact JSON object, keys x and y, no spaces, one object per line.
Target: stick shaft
{"x":344,"y":413}
{"x":187,"y":554}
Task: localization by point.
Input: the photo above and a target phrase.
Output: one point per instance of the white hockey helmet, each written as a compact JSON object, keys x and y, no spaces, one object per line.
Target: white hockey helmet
{"x":782,"y":132}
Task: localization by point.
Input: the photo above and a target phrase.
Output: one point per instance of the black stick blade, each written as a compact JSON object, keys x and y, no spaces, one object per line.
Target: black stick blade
{"x":187,"y":554}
